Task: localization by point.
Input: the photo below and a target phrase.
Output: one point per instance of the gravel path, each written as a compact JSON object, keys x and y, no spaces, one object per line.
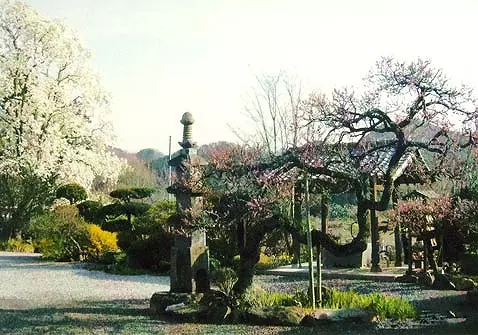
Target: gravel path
{"x":28,"y":282}
{"x":39,"y":297}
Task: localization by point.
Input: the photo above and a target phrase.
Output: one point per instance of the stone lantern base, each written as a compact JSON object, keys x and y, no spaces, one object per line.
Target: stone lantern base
{"x":190,"y":264}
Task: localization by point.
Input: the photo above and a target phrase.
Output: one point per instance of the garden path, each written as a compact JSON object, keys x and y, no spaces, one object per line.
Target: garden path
{"x":28,"y":282}
{"x":38,"y":297}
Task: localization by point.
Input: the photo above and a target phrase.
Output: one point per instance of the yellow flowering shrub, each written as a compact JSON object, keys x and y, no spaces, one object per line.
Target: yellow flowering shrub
{"x":19,"y":245}
{"x":101,"y":241}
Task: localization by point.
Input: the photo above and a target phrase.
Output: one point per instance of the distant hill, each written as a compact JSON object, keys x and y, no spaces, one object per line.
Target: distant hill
{"x":139,"y":174}
{"x":148,"y":155}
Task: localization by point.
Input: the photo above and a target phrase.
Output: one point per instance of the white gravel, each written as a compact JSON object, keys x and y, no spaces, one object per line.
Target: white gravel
{"x":26,"y":281}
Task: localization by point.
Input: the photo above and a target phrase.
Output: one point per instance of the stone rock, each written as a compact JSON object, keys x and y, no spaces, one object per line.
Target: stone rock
{"x":218,"y":314}
{"x":351,"y":314}
{"x":320,"y":316}
{"x":191,"y":312}
{"x":161,"y":300}
{"x":275,"y":316}
{"x":175,"y":307}
{"x":407,"y":278}
{"x":426,"y":279}
{"x":210,"y":307}
{"x":444,"y":282}
{"x":455,"y":321}
{"x":464,"y":284}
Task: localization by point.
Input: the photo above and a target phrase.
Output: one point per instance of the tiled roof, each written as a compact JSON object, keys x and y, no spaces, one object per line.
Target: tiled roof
{"x":374,"y":163}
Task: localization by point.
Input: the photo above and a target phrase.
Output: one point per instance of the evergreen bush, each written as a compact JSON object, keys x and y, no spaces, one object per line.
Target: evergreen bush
{"x":73,"y":192}
{"x":61,"y":234}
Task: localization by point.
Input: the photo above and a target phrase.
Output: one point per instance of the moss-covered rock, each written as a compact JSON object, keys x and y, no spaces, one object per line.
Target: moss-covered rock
{"x":321,"y":316}
{"x":161,"y":300}
{"x":210,"y":307}
{"x":275,"y":316}
{"x":464,"y":284}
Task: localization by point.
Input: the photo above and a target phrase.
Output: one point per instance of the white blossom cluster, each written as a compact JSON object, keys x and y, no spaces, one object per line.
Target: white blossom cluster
{"x":53,"y":111}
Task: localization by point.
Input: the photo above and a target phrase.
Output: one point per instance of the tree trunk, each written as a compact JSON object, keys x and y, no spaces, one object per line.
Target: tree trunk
{"x":398,"y":245}
{"x":245,"y":273}
{"x":249,"y":250}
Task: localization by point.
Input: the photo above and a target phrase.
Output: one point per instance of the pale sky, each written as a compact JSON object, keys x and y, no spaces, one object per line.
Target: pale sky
{"x":161,"y":58}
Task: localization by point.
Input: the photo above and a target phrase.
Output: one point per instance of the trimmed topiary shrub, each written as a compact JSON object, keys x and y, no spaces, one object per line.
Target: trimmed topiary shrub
{"x":127,"y":194}
{"x":90,"y":210}
{"x":117,"y":225}
{"x":73,"y":192}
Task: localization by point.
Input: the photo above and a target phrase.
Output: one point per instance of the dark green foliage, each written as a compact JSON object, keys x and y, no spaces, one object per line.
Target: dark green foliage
{"x":127,"y":194}
{"x":126,"y":238}
{"x":135,"y":208}
{"x":22,"y":197}
{"x":130,"y":208}
{"x":341,"y":212}
{"x":116,"y":225}
{"x":467,"y":225}
{"x":110,"y":211}
{"x":161,"y":210}
{"x":61,"y":234}
{"x":468,"y":193}
{"x":141,"y":230}
{"x":223,"y":277}
{"x":90,"y":210}
{"x":73,"y":192}
{"x":222,"y":246}
{"x":337,"y":211}
{"x":153,"y":253}
{"x":469,"y":264}
{"x":119,"y":216}
{"x":155,"y":219}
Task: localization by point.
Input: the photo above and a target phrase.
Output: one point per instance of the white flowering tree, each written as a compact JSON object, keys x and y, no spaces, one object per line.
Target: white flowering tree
{"x":53,"y":111}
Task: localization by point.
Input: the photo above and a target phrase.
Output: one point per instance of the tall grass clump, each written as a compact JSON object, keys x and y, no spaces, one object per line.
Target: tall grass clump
{"x":383,"y":306}
{"x":257,"y":297}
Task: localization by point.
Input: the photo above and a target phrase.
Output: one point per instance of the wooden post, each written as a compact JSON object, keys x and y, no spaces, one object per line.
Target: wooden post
{"x":324,"y":218}
{"x":410,"y":258}
{"x":297,"y":216}
{"x":309,"y":242}
{"x":374,"y":235}
{"x":397,"y":233}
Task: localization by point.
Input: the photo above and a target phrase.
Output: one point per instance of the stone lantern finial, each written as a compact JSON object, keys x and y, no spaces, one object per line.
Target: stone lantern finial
{"x":187,"y":120}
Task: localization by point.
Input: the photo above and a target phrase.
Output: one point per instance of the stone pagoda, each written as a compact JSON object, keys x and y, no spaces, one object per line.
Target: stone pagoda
{"x":189,"y":255}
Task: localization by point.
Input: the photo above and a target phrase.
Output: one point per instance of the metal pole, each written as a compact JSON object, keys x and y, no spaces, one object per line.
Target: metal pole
{"x":170,"y":169}
{"x":309,"y":242}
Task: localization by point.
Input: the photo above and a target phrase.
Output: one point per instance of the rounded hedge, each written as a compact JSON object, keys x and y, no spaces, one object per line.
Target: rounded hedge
{"x":73,"y":192}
